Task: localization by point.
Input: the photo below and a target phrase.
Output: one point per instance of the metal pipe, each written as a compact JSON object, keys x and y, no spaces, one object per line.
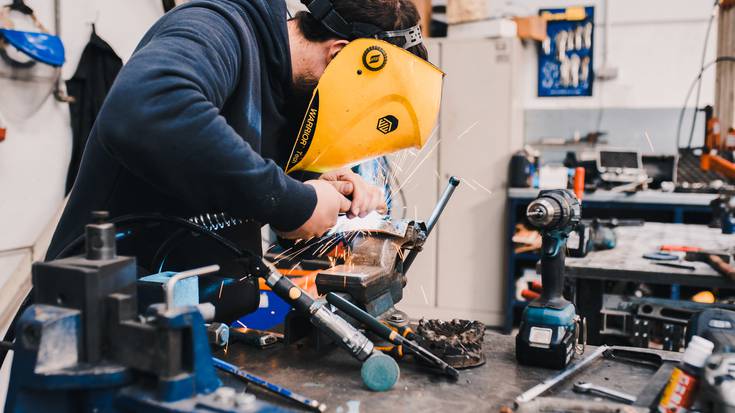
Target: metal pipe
{"x":439,"y":208}
{"x":180,"y":276}
{"x":431,"y":222}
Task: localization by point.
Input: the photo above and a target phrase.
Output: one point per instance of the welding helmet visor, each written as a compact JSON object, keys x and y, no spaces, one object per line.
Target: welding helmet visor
{"x":373,"y":99}
{"x":29,"y":63}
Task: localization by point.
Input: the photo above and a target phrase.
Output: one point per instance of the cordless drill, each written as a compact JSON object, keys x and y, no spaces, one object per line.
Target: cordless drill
{"x":548,"y":327}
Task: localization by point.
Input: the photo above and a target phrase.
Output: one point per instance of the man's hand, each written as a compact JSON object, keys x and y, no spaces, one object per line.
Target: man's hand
{"x":366,"y":198}
{"x":330,"y":203}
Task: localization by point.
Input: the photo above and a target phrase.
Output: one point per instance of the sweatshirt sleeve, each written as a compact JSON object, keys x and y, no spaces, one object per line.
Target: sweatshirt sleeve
{"x":162,"y":121}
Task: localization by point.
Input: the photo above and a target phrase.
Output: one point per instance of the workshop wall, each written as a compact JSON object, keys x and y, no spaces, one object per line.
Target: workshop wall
{"x":656,"y":45}
{"x":35,"y":155}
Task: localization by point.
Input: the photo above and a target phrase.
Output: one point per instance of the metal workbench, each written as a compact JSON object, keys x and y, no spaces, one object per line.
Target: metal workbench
{"x":625,"y":262}
{"x":334,"y":378}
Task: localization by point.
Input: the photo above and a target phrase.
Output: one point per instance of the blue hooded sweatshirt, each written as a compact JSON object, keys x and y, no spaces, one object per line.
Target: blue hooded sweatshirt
{"x":197,"y":121}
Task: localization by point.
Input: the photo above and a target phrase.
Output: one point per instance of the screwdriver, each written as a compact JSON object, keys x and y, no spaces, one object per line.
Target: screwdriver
{"x":386,"y":333}
{"x":310,"y":404}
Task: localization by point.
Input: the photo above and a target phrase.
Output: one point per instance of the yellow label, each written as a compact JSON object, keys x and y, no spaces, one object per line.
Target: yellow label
{"x":678,"y":392}
{"x":569,"y":14}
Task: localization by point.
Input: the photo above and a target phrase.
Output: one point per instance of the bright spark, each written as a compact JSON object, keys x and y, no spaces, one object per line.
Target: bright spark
{"x":423,"y":292}
{"x":466,"y":131}
{"x":482,"y":187}
{"x":648,"y":138}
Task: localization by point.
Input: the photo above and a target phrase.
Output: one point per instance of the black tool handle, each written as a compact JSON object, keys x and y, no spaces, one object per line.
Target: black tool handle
{"x":552,"y":272}
{"x":386,"y":333}
{"x":360,"y":315}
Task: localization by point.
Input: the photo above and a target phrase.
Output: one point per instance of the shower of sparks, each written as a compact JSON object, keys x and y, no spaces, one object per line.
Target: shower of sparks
{"x":482,"y":187}
{"x":648,"y":138}
{"x":227,"y":346}
{"x":400,"y":252}
{"x":466,"y":131}
{"x":423,"y":292}
{"x":283,"y":253}
{"x":294,"y":267}
{"x":466,"y":182}
{"x":221,"y":286}
{"x":413,"y":172}
{"x":243,"y":325}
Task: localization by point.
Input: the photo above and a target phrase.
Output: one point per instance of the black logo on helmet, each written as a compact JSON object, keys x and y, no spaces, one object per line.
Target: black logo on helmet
{"x":387,"y":124}
{"x":374,"y":58}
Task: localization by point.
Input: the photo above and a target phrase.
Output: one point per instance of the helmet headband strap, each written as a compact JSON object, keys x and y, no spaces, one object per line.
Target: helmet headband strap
{"x":329,"y":17}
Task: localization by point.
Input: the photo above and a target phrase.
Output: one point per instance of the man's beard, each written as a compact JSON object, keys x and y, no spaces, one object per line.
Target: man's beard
{"x":301,"y":92}
{"x":303,"y":87}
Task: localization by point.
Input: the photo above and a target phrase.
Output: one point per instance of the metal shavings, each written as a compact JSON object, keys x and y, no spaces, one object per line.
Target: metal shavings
{"x":458,"y":342}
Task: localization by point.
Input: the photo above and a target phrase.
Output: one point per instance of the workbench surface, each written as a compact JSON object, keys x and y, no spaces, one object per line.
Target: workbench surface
{"x":626,"y":262}
{"x":333,"y":378}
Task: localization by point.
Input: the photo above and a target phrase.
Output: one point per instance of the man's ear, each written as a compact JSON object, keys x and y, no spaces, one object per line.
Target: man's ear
{"x":335,"y":46}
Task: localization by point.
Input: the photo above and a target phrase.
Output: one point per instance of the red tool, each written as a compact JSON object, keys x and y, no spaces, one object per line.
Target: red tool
{"x":682,"y":248}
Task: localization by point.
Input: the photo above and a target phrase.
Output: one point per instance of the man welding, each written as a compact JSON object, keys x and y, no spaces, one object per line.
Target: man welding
{"x":205,"y":114}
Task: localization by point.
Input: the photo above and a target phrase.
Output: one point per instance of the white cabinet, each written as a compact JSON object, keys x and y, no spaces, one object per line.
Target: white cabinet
{"x":461,"y":273}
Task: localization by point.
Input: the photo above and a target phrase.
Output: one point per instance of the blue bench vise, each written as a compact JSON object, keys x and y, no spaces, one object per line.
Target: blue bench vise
{"x":83,"y":346}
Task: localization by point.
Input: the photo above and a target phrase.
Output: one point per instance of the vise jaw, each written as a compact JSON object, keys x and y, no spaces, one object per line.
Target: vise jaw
{"x":372,"y":274}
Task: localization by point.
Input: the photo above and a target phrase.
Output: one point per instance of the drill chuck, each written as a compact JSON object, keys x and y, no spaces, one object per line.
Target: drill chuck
{"x":554,"y":209}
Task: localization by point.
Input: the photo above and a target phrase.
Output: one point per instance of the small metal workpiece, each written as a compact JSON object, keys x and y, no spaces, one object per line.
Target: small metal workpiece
{"x":584,"y":387}
{"x":218,"y":334}
{"x":100,"y":236}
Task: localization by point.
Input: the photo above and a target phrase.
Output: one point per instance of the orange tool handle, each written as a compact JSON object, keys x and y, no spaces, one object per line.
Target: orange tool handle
{"x":579,"y":182}
{"x":682,"y":248}
{"x":530,"y":295}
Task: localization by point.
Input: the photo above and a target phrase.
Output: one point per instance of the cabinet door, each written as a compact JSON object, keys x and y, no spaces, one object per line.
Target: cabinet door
{"x":479,"y":133}
{"x":417,"y":173}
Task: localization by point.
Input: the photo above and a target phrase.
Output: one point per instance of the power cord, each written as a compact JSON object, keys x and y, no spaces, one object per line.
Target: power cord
{"x":691,"y":89}
{"x":701,"y":68}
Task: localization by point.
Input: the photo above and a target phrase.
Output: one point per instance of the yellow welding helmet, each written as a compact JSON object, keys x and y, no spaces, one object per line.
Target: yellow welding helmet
{"x":373,"y":99}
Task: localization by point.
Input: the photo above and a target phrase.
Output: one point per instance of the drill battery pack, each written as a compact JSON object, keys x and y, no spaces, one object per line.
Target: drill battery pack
{"x":546,"y":337}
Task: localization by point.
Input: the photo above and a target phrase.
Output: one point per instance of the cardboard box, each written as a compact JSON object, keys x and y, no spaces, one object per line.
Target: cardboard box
{"x":531,"y":27}
{"x":460,"y":11}
{"x":424,"y":7}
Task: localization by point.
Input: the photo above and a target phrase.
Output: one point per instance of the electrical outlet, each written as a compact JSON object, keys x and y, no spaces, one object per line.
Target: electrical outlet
{"x":606,"y":73}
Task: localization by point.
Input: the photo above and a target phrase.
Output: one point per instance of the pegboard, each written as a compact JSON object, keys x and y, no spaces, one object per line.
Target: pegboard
{"x":565,"y":63}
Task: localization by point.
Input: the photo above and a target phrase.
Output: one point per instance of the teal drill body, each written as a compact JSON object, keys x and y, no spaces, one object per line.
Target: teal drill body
{"x":548,"y":328}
